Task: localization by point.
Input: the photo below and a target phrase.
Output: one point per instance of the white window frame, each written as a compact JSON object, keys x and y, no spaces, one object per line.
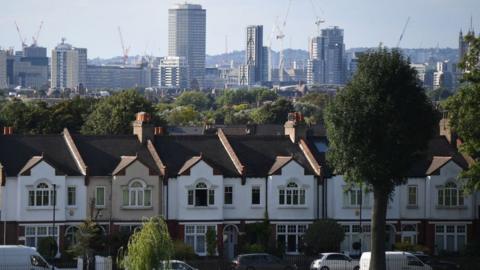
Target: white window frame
{"x":292,"y":195}
{"x":195,"y":232}
{"x":441,"y":231}
{"x":259,"y":188}
{"x":74,"y":196}
{"x":137,"y":195}
{"x":456,"y":196}
{"x":39,"y":193}
{"x":97,"y":205}
{"x":413,"y":187}
{"x":192,"y":193}
{"x":36,"y":232}
{"x":356,"y":195}
{"x":296,"y":230}
{"x":225,"y":195}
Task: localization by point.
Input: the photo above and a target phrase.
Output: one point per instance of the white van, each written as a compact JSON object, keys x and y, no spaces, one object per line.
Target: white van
{"x":396,"y":260}
{"x":21,"y":257}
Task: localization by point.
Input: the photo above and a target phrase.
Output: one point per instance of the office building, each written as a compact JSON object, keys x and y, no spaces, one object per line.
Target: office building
{"x":117,"y":77}
{"x":174,"y":72}
{"x":3,"y":70}
{"x":187,"y":38}
{"x":69,"y":67}
{"x":254,"y":56}
{"x":31,"y":69}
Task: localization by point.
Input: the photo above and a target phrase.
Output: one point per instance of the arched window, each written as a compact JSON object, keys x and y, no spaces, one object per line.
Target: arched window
{"x":71,"y":236}
{"x":137,"y":194}
{"x":41,"y":195}
{"x":292,"y":194}
{"x":201,"y":195}
{"x":450,"y":195}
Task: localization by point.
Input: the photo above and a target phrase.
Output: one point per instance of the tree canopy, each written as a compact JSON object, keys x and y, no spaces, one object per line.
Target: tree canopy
{"x":377,"y":127}
{"x":323,"y":236}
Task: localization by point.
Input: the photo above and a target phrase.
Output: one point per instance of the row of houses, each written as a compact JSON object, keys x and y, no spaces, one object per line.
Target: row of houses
{"x":51,"y":183}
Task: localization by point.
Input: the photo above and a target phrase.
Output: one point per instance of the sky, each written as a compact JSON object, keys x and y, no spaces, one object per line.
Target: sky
{"x":93,"y":24}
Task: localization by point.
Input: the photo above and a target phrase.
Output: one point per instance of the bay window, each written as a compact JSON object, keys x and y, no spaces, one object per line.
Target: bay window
{"x":450,"y":195}
{"x":290,"y":236}
{"x":292,"y":194}
{"x":137,"y":194}
{"x":33,"y":234}
{"x":42,"y":194}
{"x":196,"y":237}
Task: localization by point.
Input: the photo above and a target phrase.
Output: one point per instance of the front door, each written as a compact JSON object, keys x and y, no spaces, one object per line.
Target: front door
{"x":230,"y":236}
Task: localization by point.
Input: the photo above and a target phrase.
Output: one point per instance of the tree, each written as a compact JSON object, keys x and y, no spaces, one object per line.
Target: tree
{"x":211,"y":242}
{"x":70,"y":114}
{"x":274,"y":113}
{"x":377,"y":127}
{"x":148,"y":247}
{"x":47,"y":247}
{"x":89,"y":242}
{"x":323,"y":236}
{"x":196,"y":99}
{"x":114,"y":114}
{"x":439,"y":94}
{"x":464,"y":114}
{"x":182,"y":115}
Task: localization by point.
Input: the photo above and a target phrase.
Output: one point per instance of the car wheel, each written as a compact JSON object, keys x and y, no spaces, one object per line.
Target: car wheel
{"x":325,"y":268}
{"x":356,"y":268}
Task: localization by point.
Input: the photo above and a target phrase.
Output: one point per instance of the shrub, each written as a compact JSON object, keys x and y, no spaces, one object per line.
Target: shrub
{"x":405,"y":246}
{"x":47,"y":247}
{"x":183,"y":251}
{"x":253,"y":248}
{"x":323,"y":236}
{"x":211,"y":242}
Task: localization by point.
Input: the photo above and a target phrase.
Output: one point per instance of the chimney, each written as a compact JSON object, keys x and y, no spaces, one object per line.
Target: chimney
{"x":157,"y":131}
{"x":142,"y":127}
{"x":295,"y":127}
{"x":446,"y":130}
{"x":7,"y":130}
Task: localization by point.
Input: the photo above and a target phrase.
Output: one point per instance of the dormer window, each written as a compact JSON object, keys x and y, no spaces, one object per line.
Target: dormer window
{"x":41,"y":195}
{"x":450,"y":195}
{"x":201,"y":195}
{"x":137,"y":194}
{"x":292,"y":194}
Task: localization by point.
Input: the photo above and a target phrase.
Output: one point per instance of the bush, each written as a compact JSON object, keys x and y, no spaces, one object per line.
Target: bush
{"x":47,"y":247}
{"x":472,"y":249}
{"x":405,"y":246}
{"x":211,"y":242}
{"x":183,"y":251}
{"x":323,"y":236}
{"x":254,"y":248}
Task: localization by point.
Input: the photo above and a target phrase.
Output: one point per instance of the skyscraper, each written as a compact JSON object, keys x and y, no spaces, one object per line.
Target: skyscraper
{"x":173,"y":72}
{"x":69,"y":66}
{"x":187,"y":38}
{"x":3,"y":70}
{"x":254,"y":53}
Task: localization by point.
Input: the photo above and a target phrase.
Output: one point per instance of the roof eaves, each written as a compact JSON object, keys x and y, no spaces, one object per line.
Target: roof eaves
{"x":231,"y":153}
{"x":310,"y":157}
{"x":189,"y":164}
{"x":74,"y":151}
{"x":153,"y":152}
{"x":279,"y":163}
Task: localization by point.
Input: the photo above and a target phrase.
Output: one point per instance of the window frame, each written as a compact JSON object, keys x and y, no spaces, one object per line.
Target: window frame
{"x":450,"y":192}
{"x":137,"y":196}
{"x":192,"y":194}
{"x":228,"y":192}
{"x":409,"y":188}
{"x":444,"y":234}
{"x":292,"y":194}
{"x":284,"y":230}
{"x":69,"y":199}
{"x":37,"y":195}
{"x":256,"y":196}
{"x":37,"y":234}
{"x":198,"y":231}
{"x":97,"y":205}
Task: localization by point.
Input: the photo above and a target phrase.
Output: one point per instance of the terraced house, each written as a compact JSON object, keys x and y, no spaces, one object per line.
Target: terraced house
{"x":219,"y":181}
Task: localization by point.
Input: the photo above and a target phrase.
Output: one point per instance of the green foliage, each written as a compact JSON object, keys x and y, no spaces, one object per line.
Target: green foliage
{"x":148,"y":246}
{"x":182,"y":116}
{"x":439,"y":94}
{"x":114,"y":114}
{"x":47,"y":247}
{"x":70,"y":114}
{"x":25,"y":117}
{"x":323,"y":236}
{"x":273,"y":113}
{"x":254,"y":248}
{"x":464,"y":114}
{"x":211,"y":242}
{"x":183,"y":251}
{"x":405,"y":246}
{"x":196,"y":99}
{"x":243,"y":96}
{"x":90,"y":240}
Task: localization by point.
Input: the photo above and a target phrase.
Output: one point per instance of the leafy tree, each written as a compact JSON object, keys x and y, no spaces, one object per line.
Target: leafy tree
{"x":211,"y":242}
{"x":439,"y":94}
{"x":148,"y":246}
{"x":196,"y":99}
{"x":47,"y":247}
{"x":182,"y":115}
{"x":323,"y":236}
{"x":183,"y":251}
{"x":273,"y":113}
{"x":464,"y":113}
{"x":114,"y":114}
{"x":89,"y":242}
{"x":70,"y":114}
{"x":25,"y":117}
{"x":377,"y":127}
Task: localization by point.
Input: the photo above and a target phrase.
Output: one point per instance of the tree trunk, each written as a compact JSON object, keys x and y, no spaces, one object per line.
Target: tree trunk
{"x":380,"y":201}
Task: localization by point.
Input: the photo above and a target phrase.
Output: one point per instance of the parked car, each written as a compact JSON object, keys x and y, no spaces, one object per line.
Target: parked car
{"x":437,"y":264}
{"x":396,"y":260}
{"x":260,"y":261}
{"x":334,"y":261}
{"x":176,"y":265}
{"x":22,"y":257}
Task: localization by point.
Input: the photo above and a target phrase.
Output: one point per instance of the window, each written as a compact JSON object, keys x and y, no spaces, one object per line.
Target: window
{"x":42,"y":195}
{"x":256,"y":195}
{"x":71,"y":236}
{"x":290,"y":236}
{"x":71,"y":196}
{"x":100,"y":196}
{"x":450,"y":238}
{"x":33,"y":234}
{"x":291,"y":195}
{"x":228,"y":195}
{"x":355,"y":197}
{"x":201,"y":195}
{"x":354,"y":233}
{"x":450,"y":196}
{"x":412,"y":195}
{"x":409,"y":233}
{"x":129,"y":229}
{"x":195,"y":236}
{"x":137,"y":194}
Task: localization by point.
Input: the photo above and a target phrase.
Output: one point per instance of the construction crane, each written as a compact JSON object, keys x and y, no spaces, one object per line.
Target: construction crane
{"x":403,"y":32}
{"x":22,"y":40}
{"x":35,"y":38}
{"x":280,"y":36}
{"x":318,"y":20}
{"x":125,"y":50}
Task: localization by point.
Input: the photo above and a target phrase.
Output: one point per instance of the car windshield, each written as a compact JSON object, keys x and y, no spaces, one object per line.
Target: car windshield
{"x":320,"y":256}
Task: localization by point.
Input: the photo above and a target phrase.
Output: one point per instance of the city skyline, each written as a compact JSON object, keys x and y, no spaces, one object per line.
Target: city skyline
{"x":145,"y":23}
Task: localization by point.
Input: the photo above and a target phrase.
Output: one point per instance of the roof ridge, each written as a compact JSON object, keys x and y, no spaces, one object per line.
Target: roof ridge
{"x":72,"y":147}
{"x":317,"y":168}
{"x":231,"y":152}
{"x":158,"y":161}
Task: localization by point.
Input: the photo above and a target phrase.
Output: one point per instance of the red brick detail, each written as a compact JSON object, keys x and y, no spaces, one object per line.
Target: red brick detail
{"x":61,"y":238}
{"x":430,"y":237}
{"x":220,"y":239}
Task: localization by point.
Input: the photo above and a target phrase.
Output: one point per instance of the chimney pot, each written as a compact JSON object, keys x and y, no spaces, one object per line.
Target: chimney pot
{"x":7,"y":130}
{"x":143,"y":117}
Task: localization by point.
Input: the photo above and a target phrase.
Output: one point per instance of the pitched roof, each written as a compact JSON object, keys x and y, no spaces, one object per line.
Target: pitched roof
{"x":437,"y":163}
{"x":102,"y":154}
{"x":175,"y":151}
{"x":30,"y":164}
{"x":16,"y":150}
{"x":189,"y":164}
{"x":259,"y":153}
{"x":125,"y":161}
{"x":280,"y":162}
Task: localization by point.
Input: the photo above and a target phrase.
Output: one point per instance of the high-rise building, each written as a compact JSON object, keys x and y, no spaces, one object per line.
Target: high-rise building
{"x":187,"y":38}
{"x":69,"y":67}
{"x":174,"y":72}
{"x":254,"y":55}
{"x":3,"y":70}
{"x":31,"y":70}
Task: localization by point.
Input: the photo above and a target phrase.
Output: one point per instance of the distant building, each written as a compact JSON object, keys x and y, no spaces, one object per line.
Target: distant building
{"x":254,"y":56}
{"x":187,"y":38}
{"x":445,"y":75}
{"x":421,"y":71}
{"x":31,"y":70}
{"x":117,"y":77}
{"x":174,"y":73}
{"x":213,"y":78}
{"x":3,"y":70}
{"x":69,"y":66}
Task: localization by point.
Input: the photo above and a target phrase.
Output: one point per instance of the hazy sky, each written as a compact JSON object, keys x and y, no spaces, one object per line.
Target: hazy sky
{"x":93,"y":23}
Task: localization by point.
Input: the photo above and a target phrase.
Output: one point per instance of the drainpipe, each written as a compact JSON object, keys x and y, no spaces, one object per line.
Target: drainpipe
{"x":266,"y":197}
{"x":4,"y":215}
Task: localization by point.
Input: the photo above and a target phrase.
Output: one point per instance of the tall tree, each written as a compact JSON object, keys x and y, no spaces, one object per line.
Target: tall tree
{"x":148,"y":247}
{"x":114,"y":114}
{"x":464,"y":112}
{"x":197,"y":99}
{"x":377,"y":126}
